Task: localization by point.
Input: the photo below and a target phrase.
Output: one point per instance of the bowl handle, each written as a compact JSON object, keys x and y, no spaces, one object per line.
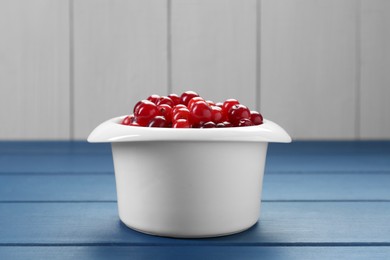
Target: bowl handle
{"x":274,"y":133}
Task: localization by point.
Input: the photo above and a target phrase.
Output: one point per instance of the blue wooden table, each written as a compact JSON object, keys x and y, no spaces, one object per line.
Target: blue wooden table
{"x":321,"y":200}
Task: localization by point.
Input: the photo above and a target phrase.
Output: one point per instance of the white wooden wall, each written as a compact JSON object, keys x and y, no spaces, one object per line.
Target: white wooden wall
{"x":320,"y":68}
{"x":34,"y":69}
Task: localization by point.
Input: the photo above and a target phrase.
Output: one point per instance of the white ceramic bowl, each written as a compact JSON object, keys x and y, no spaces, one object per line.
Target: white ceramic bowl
{"x":189,"y":182}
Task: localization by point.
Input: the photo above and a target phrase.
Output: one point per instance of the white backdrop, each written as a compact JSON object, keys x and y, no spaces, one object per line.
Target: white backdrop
{"x":319,"y":68}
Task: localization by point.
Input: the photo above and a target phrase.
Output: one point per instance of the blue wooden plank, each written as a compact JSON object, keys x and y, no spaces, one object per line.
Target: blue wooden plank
{"x":276,"y":187}
{"x":377,"y":163}
{"x":296,"y":147}
{"x":327,"y":156}
{"x":57,"y":187}
{"x":275,"y":164}
{"x":326,"y":186}
{"x":52,"y":147}
{"x":103,"y":163}
{"x":326,"y":230}
{"x":68,"y":163}
{"x":300,"y":157}
{"x":209,"y":252}
{"x":302,"y":147}
{"x":311,"y":223}
{"x":327,"y":148}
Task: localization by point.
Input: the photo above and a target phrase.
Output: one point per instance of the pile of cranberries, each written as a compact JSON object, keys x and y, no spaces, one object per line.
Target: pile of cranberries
{"x":190,"y":111}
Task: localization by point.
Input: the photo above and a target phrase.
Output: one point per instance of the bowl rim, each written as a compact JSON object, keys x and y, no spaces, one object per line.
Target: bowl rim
{"x":112,"y":131}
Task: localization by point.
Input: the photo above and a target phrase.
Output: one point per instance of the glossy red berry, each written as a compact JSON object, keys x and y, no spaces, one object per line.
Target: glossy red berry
{"x":227,"y":105}
{"x":158,"y":121}
{"x":145,"y":111}
{"x":200,"y":113}
{"x":193,"y":101}
{"x":154,"y":98}
{"x":126,"y":121}
{"x":190,"y":110}
{"x":181,"y":123}
{"x":186,"y":97}
{"x":256,"y":118}
{"x":208,"y":125}
{"x":177,"y":107}
{"x":245,"y":122}
{"x":134,"y":124}
{"x":211,"y":103}
{"x":216,"y":114}
{"x":166,"y":111}
{"x":175,"y":98}
{"x":138,"y":104}
{"x":181,"y":113}
{"x":227,"y":124}
{"x":237,"y":113}
{"x":165,"y":100}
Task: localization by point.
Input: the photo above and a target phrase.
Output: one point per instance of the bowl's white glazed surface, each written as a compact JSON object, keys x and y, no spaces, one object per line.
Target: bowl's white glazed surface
{"x":189,"y":189}
{"x":189,"y":182}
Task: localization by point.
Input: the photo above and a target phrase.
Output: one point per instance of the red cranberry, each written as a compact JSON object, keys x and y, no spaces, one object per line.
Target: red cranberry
{"x":208,"y":125}
{"x":181,"y":113}
{"x":165,"y":111}
{"x":196,"y":125}
{"x":158,"y":121}
{"x":211,"y":103}
{"x":216,"y":114}
{"x":154,"y":98}
{"x":256,"y":118}
{"x":245,"y":122}
{"x":165,"y":100}
{"x":138,"y":104}
{"x":175,"y":98}
{"x":145,"y":112}
{"x":126,"y":120}
{"x":227,"y":105}
{"x":238,"y":112}
{"x":190,"y":110}
{"x":177,"y":107}
{"x":193,"y":101}
{"x":134,"y":124}
{"x":227,"y":124}
{"x":186,"y":97}
{"x":181,"y":123}
{"x":200,"y":112}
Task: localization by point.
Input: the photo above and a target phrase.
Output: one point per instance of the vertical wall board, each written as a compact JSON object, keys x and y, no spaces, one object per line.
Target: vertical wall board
{"x":34,"y":69}
{"x":120,"y":57}
{"x":308,"y":66}
{"x":375,"y":71}
{"x":214,"y":48}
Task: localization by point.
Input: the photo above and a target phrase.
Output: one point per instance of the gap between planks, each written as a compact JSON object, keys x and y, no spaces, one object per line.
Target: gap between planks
{"x":263,"y":201}
{"x":271,"y":244}
{"x":8,"y":173}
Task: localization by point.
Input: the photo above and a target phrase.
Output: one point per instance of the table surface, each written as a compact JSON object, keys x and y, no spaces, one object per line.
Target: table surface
{"x":321,"y":200}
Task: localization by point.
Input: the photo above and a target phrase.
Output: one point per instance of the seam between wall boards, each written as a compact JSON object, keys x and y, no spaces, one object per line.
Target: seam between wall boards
{"x":169,"y":46}
{"x":358,"y":69}
{"x":71,"y":70}
{"x":258,"y":56}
